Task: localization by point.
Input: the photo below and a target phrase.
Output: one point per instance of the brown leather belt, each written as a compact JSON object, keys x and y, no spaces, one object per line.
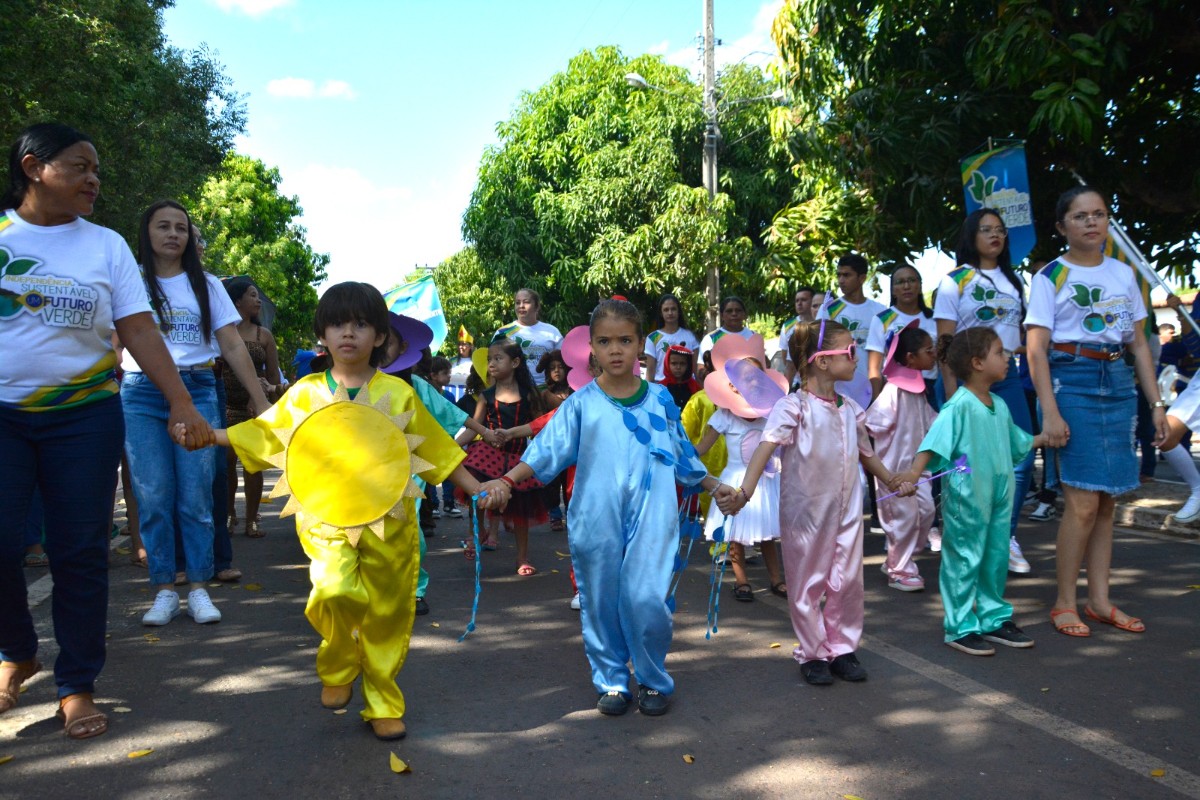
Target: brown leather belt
{"x":1087,"y":352}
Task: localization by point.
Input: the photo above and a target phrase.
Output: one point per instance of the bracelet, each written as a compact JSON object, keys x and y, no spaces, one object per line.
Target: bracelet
{"x":1159,"y":404}
{"x":742,"y":492}
{"x":511,"y":483}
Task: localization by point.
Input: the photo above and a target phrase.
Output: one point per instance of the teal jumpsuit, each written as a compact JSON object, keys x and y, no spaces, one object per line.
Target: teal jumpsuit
{"x":976,"y":508}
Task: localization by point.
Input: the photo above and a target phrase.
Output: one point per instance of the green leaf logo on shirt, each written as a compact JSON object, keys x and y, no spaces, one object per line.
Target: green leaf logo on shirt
{"x":10,"y":267}
{"x":1086,"y":297}
{"x":985,"y":312}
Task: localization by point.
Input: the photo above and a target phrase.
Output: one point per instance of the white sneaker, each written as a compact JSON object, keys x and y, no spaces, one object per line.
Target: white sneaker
{"x":935,"y":540}
{"x":1016,"y":561}
{"x":907,"y":583}
{"x":1030,"y":497}
{"x":201,"y":608}
{"x":165,"y":608}
{"x":1043,"y":512}
{"x":435,"y":513}
{"x":575,"y":602}
{"x":1190,"y":510}
{"x":454,"y":511}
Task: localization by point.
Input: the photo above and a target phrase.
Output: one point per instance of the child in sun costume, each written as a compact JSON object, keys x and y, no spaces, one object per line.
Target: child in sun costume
{"x":348,"y":456}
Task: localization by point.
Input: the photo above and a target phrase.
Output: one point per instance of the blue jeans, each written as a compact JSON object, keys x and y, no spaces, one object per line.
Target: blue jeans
{"x":173,"y":487}
{"x":222,"y":543}
{"x":1012,"y":393}
{"x":72,"y":457}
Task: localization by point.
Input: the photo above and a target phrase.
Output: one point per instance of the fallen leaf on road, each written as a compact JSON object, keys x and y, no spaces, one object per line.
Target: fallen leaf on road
{"x":124,"y":551}
{"x":5,"y":759}
{"x":562,"y":555}
{"x":775,"y":645}
{"x":688,"y":758}
{"x":122,"y":709}
{"x":398,"y":766}
{"x":150,"y":637}
{"x":554,"y":572}
{"x":435,"y":624}
{"x":1194,"y":586}
{"x":140,"y":753}
{"x":253,"y":587}
{"x":851,"y":797}
{"x":1045,"y":688}
{"x":1157,"y":773}
{"x":340,"y":711}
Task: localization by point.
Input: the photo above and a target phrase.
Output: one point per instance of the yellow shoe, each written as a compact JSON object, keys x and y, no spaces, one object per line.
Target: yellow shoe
{"x":388,"y":729}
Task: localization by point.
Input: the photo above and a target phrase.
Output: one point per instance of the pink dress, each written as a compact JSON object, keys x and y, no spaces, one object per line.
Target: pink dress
{"x":821,"y":519}
{"x":898,"y":421}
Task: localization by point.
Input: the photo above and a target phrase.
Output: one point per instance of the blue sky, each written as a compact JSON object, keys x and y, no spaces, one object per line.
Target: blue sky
{"x":377,"y":113}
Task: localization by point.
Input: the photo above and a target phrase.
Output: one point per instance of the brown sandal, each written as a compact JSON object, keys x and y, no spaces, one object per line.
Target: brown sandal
{"x":253,"y":531}
{"x":86,"y":726}
{"x":24,"y":671}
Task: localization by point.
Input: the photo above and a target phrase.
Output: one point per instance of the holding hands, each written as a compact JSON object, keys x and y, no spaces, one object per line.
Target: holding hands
{"x":729,"y":499}
{"x":494,"y":495}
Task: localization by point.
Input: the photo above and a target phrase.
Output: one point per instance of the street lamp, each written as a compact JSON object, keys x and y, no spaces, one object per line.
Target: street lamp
{"x":712,"y":138}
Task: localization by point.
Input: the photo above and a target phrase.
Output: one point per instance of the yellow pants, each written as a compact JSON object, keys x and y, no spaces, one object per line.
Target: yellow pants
{"x":363,"y":605}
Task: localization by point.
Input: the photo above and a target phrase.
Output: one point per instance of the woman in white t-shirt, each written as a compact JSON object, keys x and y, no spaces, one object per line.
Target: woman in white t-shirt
{"x":535,"y":338}
{"x":671,"y":328}
{"x":907,"y":304}
{"x":174,"y":488}
{"x":733,"y":321}
{"x":1085,"y":314}
{"x":984,"y":290}
{"x":65,"y":286}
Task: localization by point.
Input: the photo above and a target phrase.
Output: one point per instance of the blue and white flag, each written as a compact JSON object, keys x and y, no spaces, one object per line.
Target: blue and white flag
{"x":420,"y":301}
{"x":998,"y":179}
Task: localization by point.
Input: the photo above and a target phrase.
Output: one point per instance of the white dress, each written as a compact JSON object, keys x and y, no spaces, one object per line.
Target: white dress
{"x":759,"y":520}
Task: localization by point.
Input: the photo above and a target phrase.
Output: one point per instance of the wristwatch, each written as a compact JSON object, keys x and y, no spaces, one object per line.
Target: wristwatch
{"x":1159,"y":404}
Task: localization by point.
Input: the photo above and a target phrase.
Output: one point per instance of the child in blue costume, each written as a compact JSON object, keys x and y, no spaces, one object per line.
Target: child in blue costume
{"x":624,"y":437}
{"x":976,"y":504}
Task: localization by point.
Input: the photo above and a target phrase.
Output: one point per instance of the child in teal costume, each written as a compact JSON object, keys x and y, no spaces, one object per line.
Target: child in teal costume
{"x":977,"y":501}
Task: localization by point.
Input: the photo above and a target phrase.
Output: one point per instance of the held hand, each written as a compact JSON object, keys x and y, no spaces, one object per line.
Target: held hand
{"x":497,"y":497}
{"x":1056,"y":431}
{"x":905,"y":489}
{"x":179,"y":434}
{"x":197,"y":432}
{"x":1174,"y":302}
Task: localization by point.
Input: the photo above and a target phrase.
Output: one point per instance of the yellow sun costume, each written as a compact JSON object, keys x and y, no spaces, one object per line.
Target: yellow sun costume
{"x":347,"y":465}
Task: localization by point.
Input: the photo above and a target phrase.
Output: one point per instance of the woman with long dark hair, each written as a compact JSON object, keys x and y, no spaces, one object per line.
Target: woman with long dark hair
{"x":174,"y":487}
{"x":66,"y":286}
{"x":986,"y":291}
{"x":907,"y":303}
{"x":670,"y":329}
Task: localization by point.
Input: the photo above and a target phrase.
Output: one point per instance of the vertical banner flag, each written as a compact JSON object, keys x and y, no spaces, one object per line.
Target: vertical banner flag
{"x":997,"y":179}
{"x":420,"y":300}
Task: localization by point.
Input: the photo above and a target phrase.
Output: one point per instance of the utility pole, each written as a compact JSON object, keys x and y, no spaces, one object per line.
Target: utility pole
{"x":712,"y":135}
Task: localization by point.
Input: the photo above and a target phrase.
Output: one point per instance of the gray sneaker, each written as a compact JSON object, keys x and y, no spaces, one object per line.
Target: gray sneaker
{"x":1043,"y":513}
{"x":165,"y":608}
{"x":201,"y":608}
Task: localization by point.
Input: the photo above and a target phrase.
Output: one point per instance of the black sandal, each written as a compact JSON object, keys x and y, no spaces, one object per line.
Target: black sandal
{"x":775,"y":590}
{"x":743,"y":592}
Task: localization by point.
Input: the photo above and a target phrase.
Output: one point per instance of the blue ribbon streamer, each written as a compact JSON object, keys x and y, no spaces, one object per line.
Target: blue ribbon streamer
{"x":717,"y":580}
{"x":478,"y":565}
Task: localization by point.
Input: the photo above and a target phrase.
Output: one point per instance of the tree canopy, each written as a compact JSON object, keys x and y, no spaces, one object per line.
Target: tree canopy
{"x":162,"y":118}
{"x":889,"y":96}
{"x":594,"y":189}
{"x":250,"y":229}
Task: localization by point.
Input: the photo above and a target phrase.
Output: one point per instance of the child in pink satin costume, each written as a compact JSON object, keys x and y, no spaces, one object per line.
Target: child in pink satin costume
{"x":822,"y":440}
{"x":898,"y":420}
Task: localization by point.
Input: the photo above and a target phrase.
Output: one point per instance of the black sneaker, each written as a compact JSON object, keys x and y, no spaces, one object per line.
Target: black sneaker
{"x":422,"y":607}
{"x":973,"y":645}
{"x":652,"y":702}
{"x":614,"y":704}
{"x":816,"y":672}
{"x":847,"y":668}
{"x":1009,"y":635}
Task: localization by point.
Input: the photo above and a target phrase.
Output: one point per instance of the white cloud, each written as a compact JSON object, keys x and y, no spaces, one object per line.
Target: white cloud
{"x":251,"y":8}
{"x":659,"y":49}
{"x":756,"y":47}
{"x":378,"y":232}
{"x":305,"y":88}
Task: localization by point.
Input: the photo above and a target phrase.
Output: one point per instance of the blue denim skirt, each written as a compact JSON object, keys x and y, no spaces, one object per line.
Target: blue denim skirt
{"x":1099,"y":403}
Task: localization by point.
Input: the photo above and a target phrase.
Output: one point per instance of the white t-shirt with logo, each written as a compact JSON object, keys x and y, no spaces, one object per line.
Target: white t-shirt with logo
{"x":785,"y":337}
{"x":535,"y":340}
{"x":1100,"y":304}
{"x":893,"y":319}
{"x":856,"y":318}
{"x":185,"y":339}
{"x":972,"y":298}
{"x":658,"y":342}
{"x":713,"y":337}
{"x":61,"y":288}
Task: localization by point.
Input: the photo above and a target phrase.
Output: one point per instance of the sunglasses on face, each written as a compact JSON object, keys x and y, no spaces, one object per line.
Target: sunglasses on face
{"x":851,"y":352}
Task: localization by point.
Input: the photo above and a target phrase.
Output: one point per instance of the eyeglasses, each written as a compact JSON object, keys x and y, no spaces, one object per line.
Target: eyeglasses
{"x":906,"y":282}
{"x":993,"y":230}
{"x":1082,"y":218}
{"x":850,"y":352}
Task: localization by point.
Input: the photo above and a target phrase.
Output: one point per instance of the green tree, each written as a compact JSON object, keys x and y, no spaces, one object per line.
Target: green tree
{"x":251,"y":229}
{"x":888,"y":96}
{"x":474,"y":297}
{"x":592,"y":189}
{"x":162,"y":118}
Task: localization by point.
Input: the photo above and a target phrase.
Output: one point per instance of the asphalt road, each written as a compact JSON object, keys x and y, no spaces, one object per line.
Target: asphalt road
{"x":232,"y":709}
